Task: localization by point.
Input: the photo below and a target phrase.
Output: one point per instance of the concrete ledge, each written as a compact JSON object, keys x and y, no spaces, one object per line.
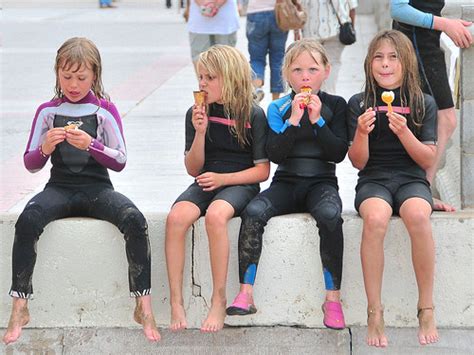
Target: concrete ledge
{"x":81,"y":274}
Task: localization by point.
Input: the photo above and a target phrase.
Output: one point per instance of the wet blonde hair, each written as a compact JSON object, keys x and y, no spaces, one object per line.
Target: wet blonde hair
{"x":233,"y":68}
{"x":410,"y":90}
{"x":297,"y":48}
{"x":80,"y":52}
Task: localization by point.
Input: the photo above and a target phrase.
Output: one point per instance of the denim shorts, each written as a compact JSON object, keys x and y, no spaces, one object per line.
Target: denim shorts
{"x":264,"y":37}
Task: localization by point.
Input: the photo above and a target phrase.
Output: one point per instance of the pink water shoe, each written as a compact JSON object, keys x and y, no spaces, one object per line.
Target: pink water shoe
{"x":242,"y":305}
{"x":333,"y":315}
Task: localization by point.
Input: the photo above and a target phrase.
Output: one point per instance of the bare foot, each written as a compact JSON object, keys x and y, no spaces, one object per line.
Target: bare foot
{"x":427,"y":333}
{"x":439,"y":205}
{"x":215,"y":318}
{"x":376,"y":328}
{"x":18,"y":319}
{"x":145,"y":317}
{"x":178,"y":318}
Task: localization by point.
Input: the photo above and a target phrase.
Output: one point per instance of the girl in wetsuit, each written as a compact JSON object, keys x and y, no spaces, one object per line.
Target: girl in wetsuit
{"x":308,"y":136}
{"x":392,"y":146}
{"x":225,"y":152}
{"x":81,"y":131}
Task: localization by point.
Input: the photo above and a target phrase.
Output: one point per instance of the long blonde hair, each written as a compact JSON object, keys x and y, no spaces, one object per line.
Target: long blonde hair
{"x":411,"y":94}
{"x":234,"y":69}
{"x":308,"y":45}
{"x":80,"y":51}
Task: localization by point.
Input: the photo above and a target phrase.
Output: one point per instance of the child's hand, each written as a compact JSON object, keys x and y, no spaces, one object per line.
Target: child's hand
{"x":297,"y":108}
{"x":365,"y":122}
{"x":200,"y":119}
{"x":397,"y":123}
{"x":53,"y":138}
{"x":78,"y":138}
{"x":210,"y":181}
{"x":314,"y":108}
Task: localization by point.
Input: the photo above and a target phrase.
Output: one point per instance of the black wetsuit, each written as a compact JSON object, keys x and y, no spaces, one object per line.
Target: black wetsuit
{"x":224,"y":154}
{"x":390,"y":172}
{"x":305,"y":181}
{"x":79,"y":186}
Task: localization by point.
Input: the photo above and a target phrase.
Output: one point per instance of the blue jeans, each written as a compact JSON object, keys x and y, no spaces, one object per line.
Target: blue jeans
{"x":264,"y":37}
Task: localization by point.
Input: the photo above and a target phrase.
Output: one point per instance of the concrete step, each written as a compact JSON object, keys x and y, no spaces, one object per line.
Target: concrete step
{"x":255,"y":340}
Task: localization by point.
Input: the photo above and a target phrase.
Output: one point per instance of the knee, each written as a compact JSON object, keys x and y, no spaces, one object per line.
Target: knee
{"x":447,"y":122}
{"x":327,"y":214}
{"x":258,"y":210}
{"x":374,"y":221}
{"x":215,"y":218}
{"x":30,"y":223}
{"x":132,"y":221}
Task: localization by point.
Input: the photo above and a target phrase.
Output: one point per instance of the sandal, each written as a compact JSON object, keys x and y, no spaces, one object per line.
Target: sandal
{"x":241,"y":306}
{"x":333,"y":315}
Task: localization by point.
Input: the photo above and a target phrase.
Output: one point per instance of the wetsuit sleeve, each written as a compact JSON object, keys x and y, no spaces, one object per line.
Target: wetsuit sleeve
{"x":333,"y":134}
{"x":281,"y":136}
{"x":259,"y":135}
{"x":402,"y":11}
{"x":108,"y":149}
{"x":189,"y":130}
{"x":428,"y":133}
{"x":32,"y":158}
{"x":352,"y":114}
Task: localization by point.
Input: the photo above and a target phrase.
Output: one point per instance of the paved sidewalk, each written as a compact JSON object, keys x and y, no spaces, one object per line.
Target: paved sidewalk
{"x":149,"y":75}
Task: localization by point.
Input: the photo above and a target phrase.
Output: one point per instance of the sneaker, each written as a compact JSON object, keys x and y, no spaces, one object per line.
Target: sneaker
{"x":241,"y":306}
{"x":333,"y":315}
{"x":260,"y":94}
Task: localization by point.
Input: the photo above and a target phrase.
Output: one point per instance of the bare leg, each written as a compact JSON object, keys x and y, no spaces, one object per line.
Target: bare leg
{"x":415,"y":213}
{"x":180,"y":218}
{"x":333,"y":296}
{"x":376,"y":214}
{"x":218,"y":215}
{"x":18,"y":319}
{"x":144,"y":315}
{"x":446,"y":127}
{"x":275,"y":96}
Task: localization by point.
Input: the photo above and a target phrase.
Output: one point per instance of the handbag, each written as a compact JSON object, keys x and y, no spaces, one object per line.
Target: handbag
{"x":290,"y":15}
{"x":347,"y":33}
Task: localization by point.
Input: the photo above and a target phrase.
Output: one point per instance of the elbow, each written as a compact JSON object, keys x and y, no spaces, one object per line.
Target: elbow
{"x":192,"y":172}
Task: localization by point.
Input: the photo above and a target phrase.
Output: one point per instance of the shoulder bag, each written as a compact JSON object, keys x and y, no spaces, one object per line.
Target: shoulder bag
{"x":290,"y":15}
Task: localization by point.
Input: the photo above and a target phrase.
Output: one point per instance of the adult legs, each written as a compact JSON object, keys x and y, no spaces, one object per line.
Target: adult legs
{"x":258,"y":36}
{"x":446,"y":127}
{"x":119,"y":210}
{"x":217,"y":217}
{"x":415,"y":213}
{"x":334,"y":49}
{"x":376,"y":214}
{"x":276,"y":53}
{"x":182,"y":215}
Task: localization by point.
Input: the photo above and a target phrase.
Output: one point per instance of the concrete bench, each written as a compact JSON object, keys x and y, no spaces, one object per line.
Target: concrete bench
{"x":80,"y":278}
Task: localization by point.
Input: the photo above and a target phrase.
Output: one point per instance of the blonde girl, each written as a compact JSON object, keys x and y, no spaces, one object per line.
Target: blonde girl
{"x":307,"y":137}
{"x":225,"y":152}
